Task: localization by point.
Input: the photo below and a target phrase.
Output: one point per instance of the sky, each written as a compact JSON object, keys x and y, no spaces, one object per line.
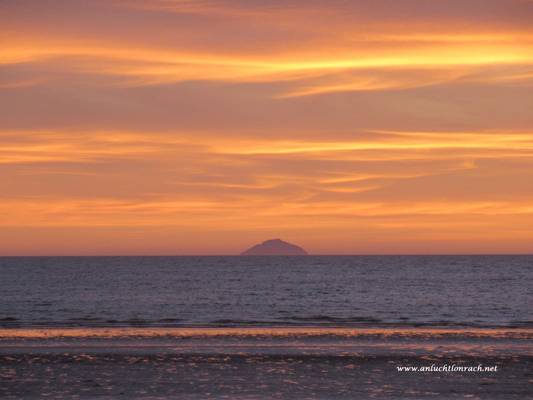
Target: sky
{"x":206,"y":126}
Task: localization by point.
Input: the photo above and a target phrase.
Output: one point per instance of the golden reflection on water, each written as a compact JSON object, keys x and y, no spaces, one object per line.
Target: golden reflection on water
{"x":125,"y":332}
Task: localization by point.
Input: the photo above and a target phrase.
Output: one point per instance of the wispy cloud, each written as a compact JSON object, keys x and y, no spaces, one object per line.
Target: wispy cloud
{"x":329,"y":120}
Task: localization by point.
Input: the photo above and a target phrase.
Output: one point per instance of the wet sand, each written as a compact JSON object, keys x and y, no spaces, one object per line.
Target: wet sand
{"x":263,"y":363}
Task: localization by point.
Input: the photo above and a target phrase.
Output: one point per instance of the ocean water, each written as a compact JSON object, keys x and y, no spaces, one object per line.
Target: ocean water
{"x":487,"y":291}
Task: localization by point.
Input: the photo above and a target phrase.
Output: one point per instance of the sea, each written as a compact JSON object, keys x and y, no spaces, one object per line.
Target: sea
{"x":213,"y":291}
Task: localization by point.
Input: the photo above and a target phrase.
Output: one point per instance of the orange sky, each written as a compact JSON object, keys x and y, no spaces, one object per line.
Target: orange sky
{"x":205,"y":126}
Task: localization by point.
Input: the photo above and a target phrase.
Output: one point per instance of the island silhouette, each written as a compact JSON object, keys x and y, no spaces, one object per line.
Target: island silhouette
{"x":275,"y":247}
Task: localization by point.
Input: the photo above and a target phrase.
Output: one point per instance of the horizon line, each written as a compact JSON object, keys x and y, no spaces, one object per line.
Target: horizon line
{"x":271,"y":255}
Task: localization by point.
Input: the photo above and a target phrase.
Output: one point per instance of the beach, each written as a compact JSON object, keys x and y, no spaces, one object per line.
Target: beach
{"x":266,"y":362}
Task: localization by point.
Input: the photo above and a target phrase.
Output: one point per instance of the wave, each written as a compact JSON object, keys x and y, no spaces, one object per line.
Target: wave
{"x":288,"y":321}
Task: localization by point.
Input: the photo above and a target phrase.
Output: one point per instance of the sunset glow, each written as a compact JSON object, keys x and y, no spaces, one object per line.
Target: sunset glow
{"x":203,"y":127}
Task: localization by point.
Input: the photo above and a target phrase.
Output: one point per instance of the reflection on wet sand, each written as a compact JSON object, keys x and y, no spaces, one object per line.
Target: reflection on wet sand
{"x":255,"y":363}
{"x":243,"y":376}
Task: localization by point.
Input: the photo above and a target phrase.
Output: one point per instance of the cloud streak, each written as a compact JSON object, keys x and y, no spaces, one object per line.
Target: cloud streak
{"x":322,"y":122}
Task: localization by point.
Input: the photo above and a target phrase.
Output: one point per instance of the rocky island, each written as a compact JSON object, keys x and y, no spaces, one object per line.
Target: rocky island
{"x":275,"y":247}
